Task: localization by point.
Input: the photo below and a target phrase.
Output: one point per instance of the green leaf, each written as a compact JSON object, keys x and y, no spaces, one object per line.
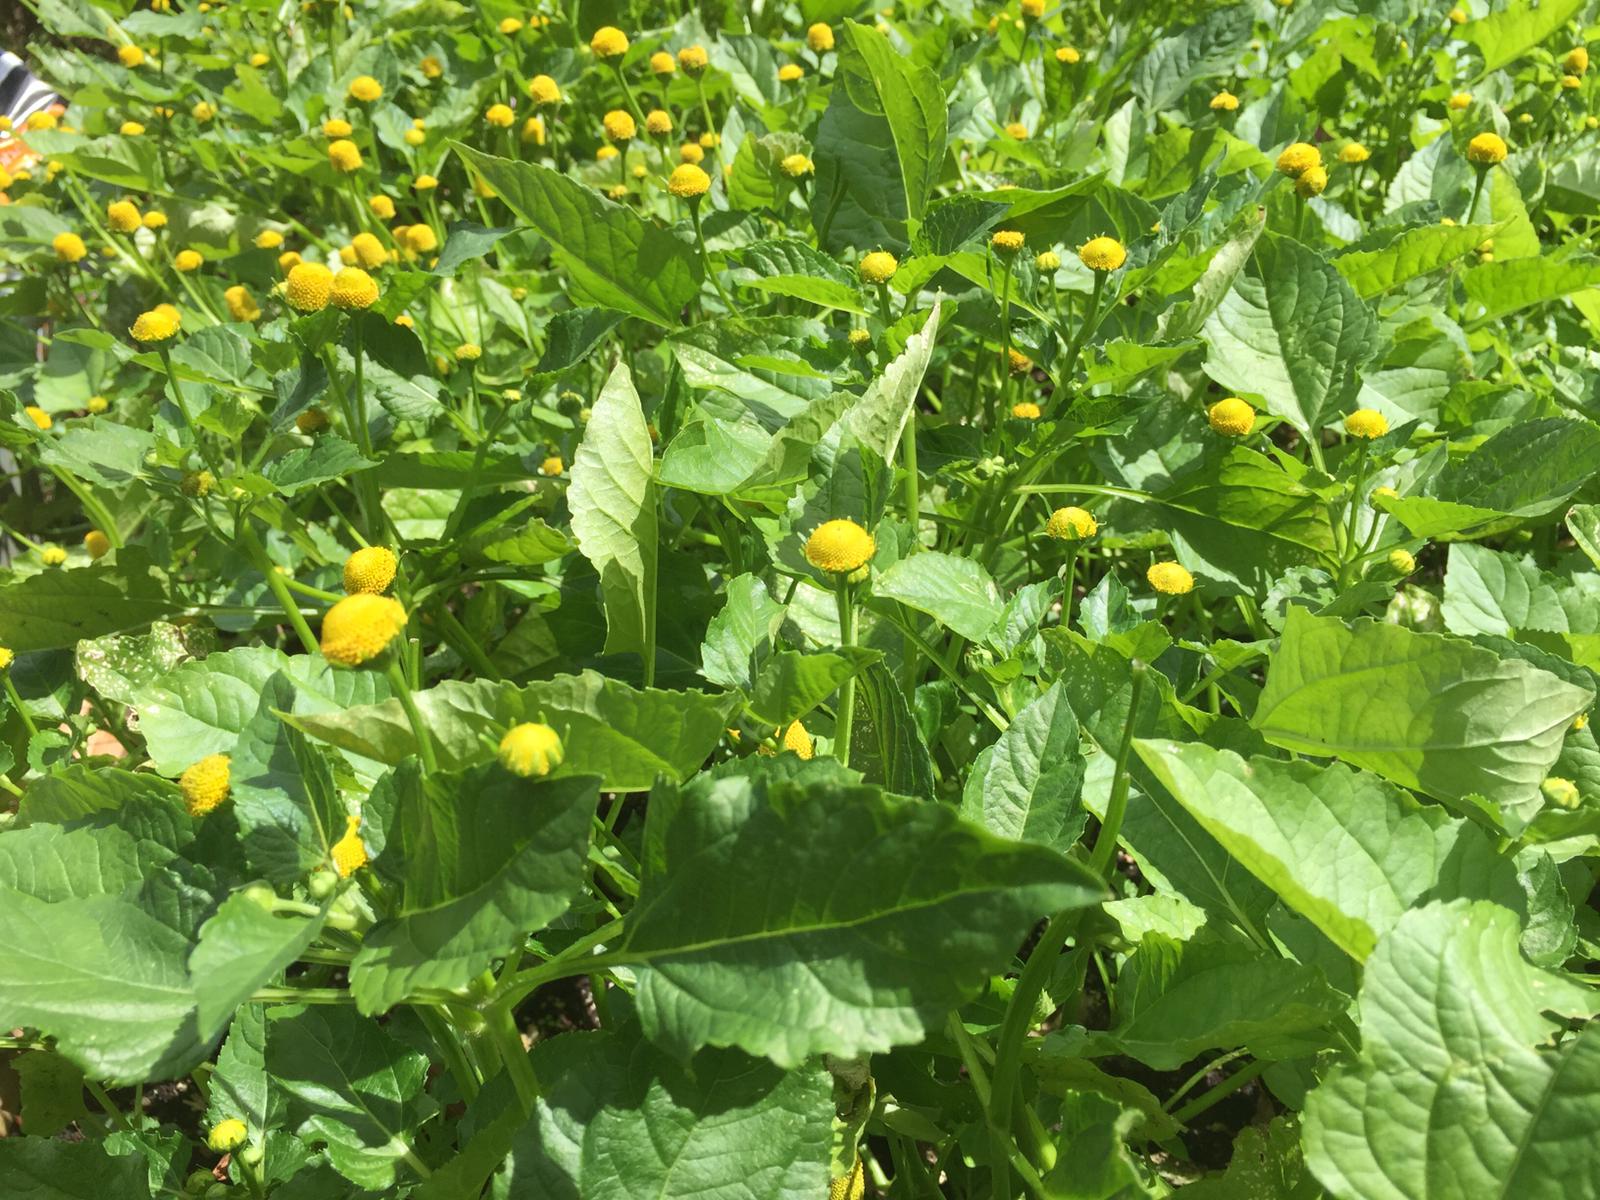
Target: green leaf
{"x":1342,"y":848}
{"x":1486,"y":591}
{"x":241,"y":947}
{"x":571,"y":337}
{"x":352,"y":1087}
{"x":1455,"y":1043}
{"x":878,"y":419}
{"x":42,"y":1168}
{"x":1293,"y":332}
{"x":1415,"y":252}
{"x":79,"y":790}
{"x":466,"y":241}
{"x":57,"y":608}
{"x":1027,"y":785}
{"x":910,"y":96}
{"x":613,"y":503}
{"x":625,"y":735}
{"x":930,"y":905}
{"x":1166,"y":69}
{"x":329,"y":458}
{"x":740,"y":637}
{"x":956,"y":592}
{"x":617,"y":1119}
{"x":886,"y":745}
{"x":1499,"y":288}
{"x":1529,"y":469}
{"x":612,"y":255}
{"x":1429,"y":712}
{"x":485,"y":857}
{"x":791,"y":684}
{"x":52,"y":1092}
{"x":859,"y":197}
{"x":1583,"y":523}
{"x":1504,"y":36}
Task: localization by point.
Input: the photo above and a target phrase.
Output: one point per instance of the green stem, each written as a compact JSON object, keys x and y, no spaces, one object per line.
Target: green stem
{"x":847,"y":690}
{"x":576,"y":959}
{"x":419,"y":730}
{"x":705,"y":255}
{"x":244,"y":533}
{"x":450,"y":1048}
{"x":97,"y":511}
{"x":1105,"y":843}
{"x":16,"y":702}
{"x":1221,"y":1091}
{"x":104,"y":1100}
{"x":515,"y":1056}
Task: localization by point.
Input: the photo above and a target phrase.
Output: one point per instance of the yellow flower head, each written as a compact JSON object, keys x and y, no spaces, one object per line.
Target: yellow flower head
{"x":1576,"y":61}
{"x":839,"y":546}
{"x":312,"y":420}
{"x":552,"y":466}
{"x":7,"y":657}
{"x":38,"y":416}
{"x":1102,"y":254}
{"x":369,"y":250}
{"x":203,"y":111}
{"x":308,"y":287}
{"x":154,"y":219}
{"x":52,"y":556}
{"x":1231,"y":417}
{"x":1025,"y":410}
{"x":69,"y":247}
{"x":43,"y":119}
{"x":1366,"y":423}
{"x":1224,"y":101}
{"x":1071,"y":524}
{"x":1006,"y":242}
{"x":123,"y":215}
{"x":96,"y":543}
{"x":226,"y":1136}
{"x":205,"y":784}
{"x":1299,"y":158}
{"x":1019,"y":362}
{"x":421,"y":239}
{"x":619,"y":125}
{"x":797,"y":739}
{"x":1048,"y":262}
{"x":878,"y":267}
{"x":662,"y":63}
{"x":241,"y":306}
{"x":690,"y":152}
{"x":370,"y":569}
{"x":130,"y":56}
{"x":260,"y":59}
{"x":1017,"y":130}
{"x":1571,"y":82}
{"x":1460,"y":101}
{"x":1353,"y":153}
{"x":360,"y":627}
{"x":288,"y":261}
{"x":197,"y":483}
{"x":349,"y":852}
{"x":1170,"y":578}
{"x":353,"y":289}
{"x":345,"y":155}
{"x":1458,"y":15}
{"x":1068,"y":55}
{"x":533,"y":130}
{"x":382,"y":207}
{"x":710,"y":141}
{"x":819,"y":38}
{"x":531,"y":749}
{"x":158,"y":325}
{"x":1311,"y":182}
{"x":268,"y":239}
{"x":1486,"y":149}
{"x":188,"y":260}
{"x":469,"y":352}
{"x":796,"y":166}
{"x":860,"y":340}
{"x":510,"y":25}
{"x":333,"y":127}
{"x":791,"y":72}
{"x":688,"y":181}
{"x":130,"y":129}
{"x":1402,"y":562}
{"x":365,"y":89}
{"x":693,"y":59}
{"x":431,"y":67}
{"x":498,"y":115}
{"x":544,"y":91}
{"x":98,"y":404}
{"x":658,"y":122}
{"x":1563,"y":793}
{"x":609,"y":42}
{"x":425,"y":183}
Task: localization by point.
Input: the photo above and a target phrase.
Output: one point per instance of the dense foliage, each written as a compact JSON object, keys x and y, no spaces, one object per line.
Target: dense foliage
{"x":774,"y":599}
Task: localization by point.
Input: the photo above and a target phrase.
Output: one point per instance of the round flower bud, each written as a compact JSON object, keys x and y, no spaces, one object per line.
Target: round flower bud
{"x":498,"y":115}
{"x":353,"y":288}
{"x":819,"y":38}
{"x":1231,"y":417}
{"x":226,"y":1136}
{"x":349,"y":853}
{"x":1460,"y":101}
{"x":693,"y":60}
{"x":96,"y":544}
{"x":154,"y":219}
{"x":1486,"y":150}
{"x":1576,"y":61}
{"x":1170,"y":578}
{"x":1299,"y":158}
{"x":1071,"y":524}
{"x":1006,"y":242}
{"x":188,"y":260}
{"x":38,"y":416}
{"x":658,"y":123}
{"x":1224,"y":101}
{"x":1366,"y":423}
{"x":197,"y":483}
{"x":130,"y":129}
{"x":878,"y":267}
{"x":1068,"y":55}
{"x":619,"y":125}
{"x":308,"y":287}
{"x":860,"y":340}
{"x":420,"y":239}
{"x":1457,"y":15}
{"x":52,"y":556}
{"x":241,"y":307}
{"x":1563,"y":793}
{"x":688,"y":181}
{"x":431,"y":67}
{"x":1402,"y":562}
{"x":796,"y":166}
{"x":130,"y":56}
{"x":510,"y":25}
{"x":205,"y":784}
{"x":335,"y":127}
{"x":1048,"y":262}
{"x":552,"y":466}
{"x":531,"y":749}
{"x":7,"y":657}
{"x":370,"y":569}
{"x":360,"y":627}
{"x":469,"y":352}
{"x":710,"y":141}
{"x":157,"y":325}
{"x":382,"y":207}
{"x":1017,"y":130}
{"x":662,"y":63}
{"x":288,"y":261}
{"x":369,"y":251}
{"x":345,"y":156}
{"x":312,"y":420}
{"x":1354,"y":153}
{"x":98,"y":404}
{"x":839,"y":546}
{"x":609,"y":42}
{"x":1311,"y":182}
{"x":69,"y":247}
{"x":1102,"y":254}
{"x":1019,"y":362}
{"x":791,"y":73}
{"x":123,"y":216}
{"x":1571,"y":82}
{"x":1025,"y":410}
{"x":259,"y":59}
{"x":365,"y":89}
{"x":203,"y":111}
{"x":1031,"y":10}
{"x":268,"y":239}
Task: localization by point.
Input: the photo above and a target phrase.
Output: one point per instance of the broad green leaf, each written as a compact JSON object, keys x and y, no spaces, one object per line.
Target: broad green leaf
{"x":329,"y":458}
{"x":43,"y":1168}
{"x":465,"y":241}
{"x":1267,"y":1164}
{"x":1343,"y":848}
{"x":878,"y":419}
{"x":1027,"y":785}
{"x":613,"y":255}
{"x":352,"y":1088}
{"x":241,"y":947}
{"x":1583,"y":523}
{"x":1499,"y":288}
{"x":55,"y":609}
{"x":740,"y":637}
{"x":791,"y":684}
{"x":240,"y":1087}
{"x":118,"y":666}
{"x":886,"y":745}
{"x":572,"y":335}
{"x":858,"y":197}
{"x":485,"y":857}
{"x":618,"y":1119}
{"x":52,"y":1092}
{"x":1506,"y":35}
{"x":957,"y":592}
{"x":1487,"y":591}
{"x":910,"y":96}
{"x":1418,"y":251}
{"x":613,"y":502}
{"x":1528,"y":469}
{"x":763,"y":361}
{"x":932,"y":906}
{"x":1429,"y":712}
{"x":1458,"y":1092}
{"x":625,"y":735}
{"x":1293,"y":332}
{"x":1166,"y":69}
{"x":79,"y":790}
